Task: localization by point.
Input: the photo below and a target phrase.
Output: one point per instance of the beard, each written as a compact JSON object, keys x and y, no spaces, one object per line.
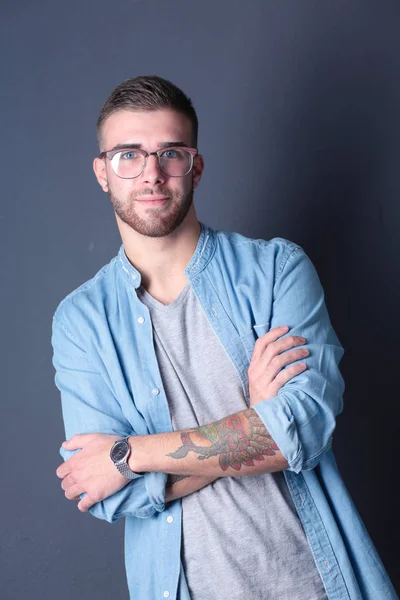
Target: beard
{"x":162,"y":220}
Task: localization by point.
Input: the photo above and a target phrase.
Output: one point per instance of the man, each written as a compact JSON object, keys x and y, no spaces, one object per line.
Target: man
{"x":199,"y":381}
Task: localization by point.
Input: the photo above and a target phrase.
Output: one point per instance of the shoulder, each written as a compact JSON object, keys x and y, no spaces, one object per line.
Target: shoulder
{"x":88,"y":298}
{"x":277,"y":250}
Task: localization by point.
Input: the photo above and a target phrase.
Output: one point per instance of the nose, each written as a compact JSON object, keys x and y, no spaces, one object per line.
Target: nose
{"x":152,"y":172}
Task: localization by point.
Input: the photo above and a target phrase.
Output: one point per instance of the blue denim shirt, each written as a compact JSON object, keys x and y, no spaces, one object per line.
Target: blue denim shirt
{"x":108,"y":376}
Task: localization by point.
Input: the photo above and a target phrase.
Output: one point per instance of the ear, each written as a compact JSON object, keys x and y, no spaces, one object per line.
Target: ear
{"x":198,"y":167}
{"x":99,"y":168}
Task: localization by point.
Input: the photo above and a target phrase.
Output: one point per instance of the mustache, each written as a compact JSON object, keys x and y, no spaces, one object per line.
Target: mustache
{"x":153,"y":192}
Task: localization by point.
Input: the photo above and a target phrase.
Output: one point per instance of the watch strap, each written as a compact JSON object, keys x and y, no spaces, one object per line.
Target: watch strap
{"x":126,"y":471}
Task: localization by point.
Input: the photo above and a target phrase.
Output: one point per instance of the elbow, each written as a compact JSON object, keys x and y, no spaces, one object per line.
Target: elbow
{"x":301,"y":426}
{"x":307,"y":462}
{"x":310,"y":440}
{"x":141,"y":498}
{"x":102,"y":510}
{"x":311,"y":418}
{"x":99,"y":510}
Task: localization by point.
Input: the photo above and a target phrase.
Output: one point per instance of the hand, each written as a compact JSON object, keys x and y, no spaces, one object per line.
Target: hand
{"x":266,"y":376}
{"x":91,"y":470}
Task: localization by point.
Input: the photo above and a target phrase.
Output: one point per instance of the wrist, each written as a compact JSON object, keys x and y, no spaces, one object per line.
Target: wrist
{"x":136,"y":456}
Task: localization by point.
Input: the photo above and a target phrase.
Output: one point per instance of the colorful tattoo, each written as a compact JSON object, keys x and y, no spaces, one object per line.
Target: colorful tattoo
{"x":236,"y":440}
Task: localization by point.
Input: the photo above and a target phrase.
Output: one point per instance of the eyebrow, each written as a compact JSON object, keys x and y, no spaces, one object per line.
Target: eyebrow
{"x":140,"y":146}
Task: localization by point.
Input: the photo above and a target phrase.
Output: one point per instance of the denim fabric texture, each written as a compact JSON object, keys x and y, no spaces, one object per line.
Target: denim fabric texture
{"x":106,"y":371}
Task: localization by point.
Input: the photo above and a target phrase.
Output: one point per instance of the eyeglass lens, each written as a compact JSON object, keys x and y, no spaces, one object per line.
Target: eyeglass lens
{"x":173,"y":162}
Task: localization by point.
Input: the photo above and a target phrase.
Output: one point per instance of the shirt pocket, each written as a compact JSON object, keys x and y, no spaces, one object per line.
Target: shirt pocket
{"x":250,"y":338}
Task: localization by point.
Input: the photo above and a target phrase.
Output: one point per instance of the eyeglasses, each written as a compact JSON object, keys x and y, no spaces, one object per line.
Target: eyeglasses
{"x":129,"y":163}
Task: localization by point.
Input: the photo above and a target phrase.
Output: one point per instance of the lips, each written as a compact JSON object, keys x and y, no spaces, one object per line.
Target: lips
{"x":151,"y":198}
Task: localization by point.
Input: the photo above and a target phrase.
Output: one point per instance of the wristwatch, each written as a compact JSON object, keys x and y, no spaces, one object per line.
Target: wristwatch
{"x":119,"y":454}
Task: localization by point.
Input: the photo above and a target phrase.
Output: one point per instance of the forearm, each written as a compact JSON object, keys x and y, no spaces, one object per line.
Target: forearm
{"x":238,"y":444}
{"x":179,"y":486}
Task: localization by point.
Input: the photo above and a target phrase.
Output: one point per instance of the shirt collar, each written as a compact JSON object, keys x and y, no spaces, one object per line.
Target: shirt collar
{"x":200,"y":258}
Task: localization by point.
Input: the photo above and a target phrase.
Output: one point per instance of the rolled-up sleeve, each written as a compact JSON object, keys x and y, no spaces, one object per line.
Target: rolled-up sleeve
{"x":89,"y":406}
{"x":302,"y":417}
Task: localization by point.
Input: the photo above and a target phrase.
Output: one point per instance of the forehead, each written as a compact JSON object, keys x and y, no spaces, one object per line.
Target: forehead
{"x":146,"y":127}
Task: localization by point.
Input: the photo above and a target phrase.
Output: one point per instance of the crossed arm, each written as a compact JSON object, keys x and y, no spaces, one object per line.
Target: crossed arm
{"x":237,"y":441}
{"x":238,"y":444}
{"x":235,"y":445}
{"x":299,"y":420}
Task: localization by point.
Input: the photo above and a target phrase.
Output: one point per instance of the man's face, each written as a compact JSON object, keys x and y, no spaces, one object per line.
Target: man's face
{"x":133,"y":199}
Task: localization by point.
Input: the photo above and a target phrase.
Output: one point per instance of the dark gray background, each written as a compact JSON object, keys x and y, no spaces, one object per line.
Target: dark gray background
{"x":311,"y":90}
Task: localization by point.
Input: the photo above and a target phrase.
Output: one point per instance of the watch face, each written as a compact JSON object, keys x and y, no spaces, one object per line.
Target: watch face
{"x":120,"y":450}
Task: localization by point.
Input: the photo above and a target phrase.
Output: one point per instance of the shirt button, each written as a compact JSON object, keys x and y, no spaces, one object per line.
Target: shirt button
{"x":166,"y":594}
{"x":140,"y":320}
{"x":133,"y":276}
{"x":155,"y":392}
{"x":170,"y":519}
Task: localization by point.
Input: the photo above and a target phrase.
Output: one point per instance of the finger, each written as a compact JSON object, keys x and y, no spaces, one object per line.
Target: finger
{"x":267,"y":338}
{"x":79,"y":440}
{"x":276,"y":356}
{"x":63,"y":470}
{"x":67,"y":482}
{"x":282,"y":360}
{"x":74,"y":492}
{"x":284,"y":344}
{"x":85,"y":504}
{"x":286,"y":375}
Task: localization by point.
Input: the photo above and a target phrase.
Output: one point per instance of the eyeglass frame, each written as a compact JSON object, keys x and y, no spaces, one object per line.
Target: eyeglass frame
{"x":192,"y":151}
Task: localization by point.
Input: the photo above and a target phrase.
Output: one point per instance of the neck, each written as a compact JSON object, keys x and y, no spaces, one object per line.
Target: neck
{"x":161,"y":262}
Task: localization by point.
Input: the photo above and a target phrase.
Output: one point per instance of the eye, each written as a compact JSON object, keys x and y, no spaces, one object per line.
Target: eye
{"x":170,"y":154}
{"x":130,"y":155}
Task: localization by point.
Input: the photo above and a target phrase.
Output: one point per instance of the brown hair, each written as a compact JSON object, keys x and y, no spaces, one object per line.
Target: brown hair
{"x":147,"y":92}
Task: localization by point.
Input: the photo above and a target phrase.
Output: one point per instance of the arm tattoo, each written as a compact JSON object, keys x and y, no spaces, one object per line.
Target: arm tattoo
{"x":174,"y":479}
{"x":234,"y":440}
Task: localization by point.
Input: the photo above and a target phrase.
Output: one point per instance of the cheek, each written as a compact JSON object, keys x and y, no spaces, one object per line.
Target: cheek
{"x":121,"y":188}
{"x":176,"y":189}
{"x":187,"y":185}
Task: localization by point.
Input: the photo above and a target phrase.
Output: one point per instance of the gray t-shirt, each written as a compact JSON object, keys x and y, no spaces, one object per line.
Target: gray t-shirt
{"x":241,"y":536}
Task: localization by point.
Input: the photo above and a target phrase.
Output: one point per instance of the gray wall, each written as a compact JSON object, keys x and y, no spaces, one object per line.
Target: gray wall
{"x":312,"y":91}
